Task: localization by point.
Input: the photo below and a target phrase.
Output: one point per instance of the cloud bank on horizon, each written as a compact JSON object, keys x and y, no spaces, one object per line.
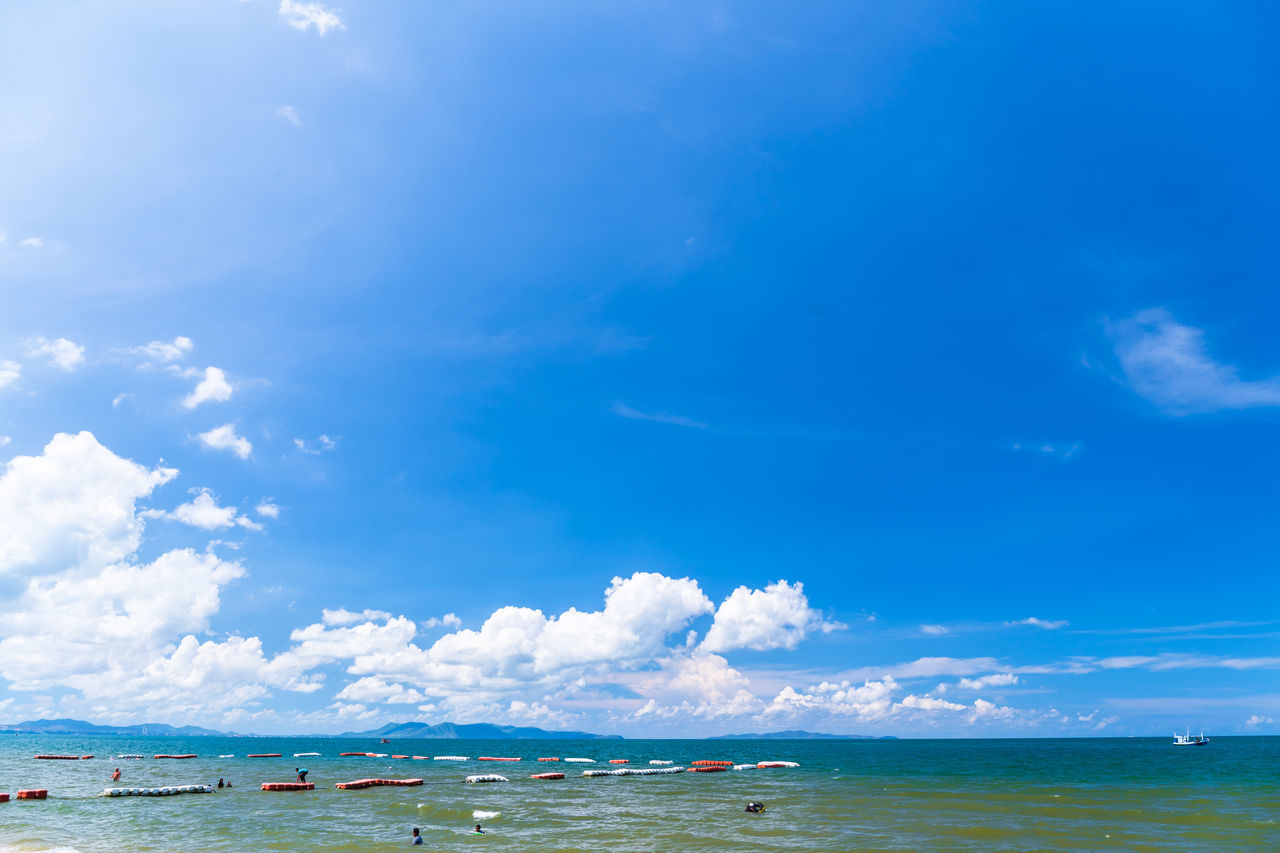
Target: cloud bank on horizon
{"x":644,"y":369}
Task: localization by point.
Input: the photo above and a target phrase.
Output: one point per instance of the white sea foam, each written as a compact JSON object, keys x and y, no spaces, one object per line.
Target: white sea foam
{"x":483,"y":815}
{"x":6,"y":849}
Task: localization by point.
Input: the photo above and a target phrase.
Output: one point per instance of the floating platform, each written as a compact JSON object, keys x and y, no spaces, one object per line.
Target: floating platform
{"x":359,"y":784}
{"x":163,"y":791}
{"x":288,"y":786}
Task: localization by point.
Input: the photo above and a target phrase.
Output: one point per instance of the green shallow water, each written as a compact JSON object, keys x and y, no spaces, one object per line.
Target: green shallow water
{"x":1076,"y":795}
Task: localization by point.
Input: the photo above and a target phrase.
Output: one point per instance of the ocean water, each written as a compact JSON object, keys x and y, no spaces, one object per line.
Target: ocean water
{"x":980,"y":795}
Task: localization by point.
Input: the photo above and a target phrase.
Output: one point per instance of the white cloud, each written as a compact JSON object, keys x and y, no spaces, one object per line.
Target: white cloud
{"x":203,"y":512}
{"x":289,"y":114}
{"x":372,"y":689}
{"x":72,"y":505}
{"x":32,"y":242}
{"x":1256,"y":720}
{"x":267,"y":509}
{"x":4,"y":440}
{"x":225,"y":438}
{"x":1047,"y":624}
{"x":86,"y":615}
{"x":999,"y":679}
{"x":1169,"y":364}
{"x":304,"y":16}
{"x":449,"y":620}
{"x":929,"y":703}
{"x":935,"y":630}
{"x":10,"y":371}
{"x":120,"y":398}
{"x":342,"y":616}
{"x":323,"y":444}
{"x":622,"y":410}
{"x":61,"y":352}
{"x":164,"y":352}
{"x":214,"y":387}
{"x":776,"y":617}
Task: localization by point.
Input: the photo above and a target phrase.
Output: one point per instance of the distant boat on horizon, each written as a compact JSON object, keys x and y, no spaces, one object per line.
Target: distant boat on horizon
{"x":1188,"y":740}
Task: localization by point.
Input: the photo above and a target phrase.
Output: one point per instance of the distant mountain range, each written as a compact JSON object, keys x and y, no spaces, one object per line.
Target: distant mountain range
{"x":474,"y":731}
{"x":438,"y":731}
{"x":796,"y":734}
{"x":80,"y":727}
{"x":453,"y":731}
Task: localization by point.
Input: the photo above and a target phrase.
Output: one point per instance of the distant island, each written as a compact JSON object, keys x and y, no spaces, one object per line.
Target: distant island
{"x":473,"y":731}
{"x":439,"y":731}
{"x":80,"y":727}
{"x":796,"y":734}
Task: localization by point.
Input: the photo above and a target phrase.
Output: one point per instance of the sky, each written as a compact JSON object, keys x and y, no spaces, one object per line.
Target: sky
{"x":650,"y":368}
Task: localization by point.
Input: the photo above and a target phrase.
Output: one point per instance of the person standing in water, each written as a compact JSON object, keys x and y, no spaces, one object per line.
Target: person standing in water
{"x":115,"y":777}
{"x":478,"y":830}
{"x":417,"y":839}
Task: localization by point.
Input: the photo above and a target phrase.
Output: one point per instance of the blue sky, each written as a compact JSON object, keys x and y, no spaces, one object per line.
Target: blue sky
{"x":647,"y":368}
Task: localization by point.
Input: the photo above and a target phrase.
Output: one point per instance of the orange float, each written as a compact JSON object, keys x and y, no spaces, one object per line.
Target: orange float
{"x":547,"y":776}
{"x":288,"y":786}
{"x":491,"y":758}
{"x":32,"y":794}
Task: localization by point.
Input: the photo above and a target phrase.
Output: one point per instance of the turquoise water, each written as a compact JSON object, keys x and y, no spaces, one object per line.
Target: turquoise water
{"x":1080,"y":794}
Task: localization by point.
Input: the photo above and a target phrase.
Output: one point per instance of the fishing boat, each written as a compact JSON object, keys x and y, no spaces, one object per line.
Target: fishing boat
{"x":1189,"y":740}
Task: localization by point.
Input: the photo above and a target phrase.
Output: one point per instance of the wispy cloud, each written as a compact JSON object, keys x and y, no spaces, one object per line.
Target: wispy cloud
{"x":305,"y":16}
{"x":622,"y":410}
{"x":289,"y":114}
{"x":10,"y":372}
{"x":935,"y":630}
{"x":1056,"y":449}
{"x":1169,"y":364}
{"x":32,"y":243}
{"x":1048,"y":624}
{"x":163,"y":352}
{"x":323,"y":444}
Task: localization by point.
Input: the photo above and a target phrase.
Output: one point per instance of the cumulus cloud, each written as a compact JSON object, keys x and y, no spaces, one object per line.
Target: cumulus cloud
{"x":776,"y":617}
{"x":164,"y":352}
{"x":306,"y":16}
{"x":1256,"y":720}
{"x":449,"y":620}
{"x":267,"y":509}
{"x":203,"y":512}
{"x":82,"y":612}
{"x":342,"y":616}
{"x":61,"y":352}
{"x":1170,"y":365}
{"x":214,"y":388}
{"x":999,"y":679}
{"x":10,"y":372}
{"x":225,"y":438}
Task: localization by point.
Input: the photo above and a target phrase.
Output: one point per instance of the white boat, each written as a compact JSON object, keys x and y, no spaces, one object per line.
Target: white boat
{"x":1189,"y":740}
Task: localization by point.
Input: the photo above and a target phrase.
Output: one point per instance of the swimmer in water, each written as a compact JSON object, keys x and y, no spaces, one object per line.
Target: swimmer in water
{"x":478,"y":830}
{"x":220,"y":783}
{"x":417,"y":839}
{"x":115,"y":777}
{"x":754,"y":808}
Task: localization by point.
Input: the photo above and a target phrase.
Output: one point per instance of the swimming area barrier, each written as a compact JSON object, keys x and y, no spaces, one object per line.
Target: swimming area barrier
{"x":581,"y":760}
{"x":32,"y":794}
{"x":451,"y":758}
{"x":162,"y":791}
{"x":184,"y":755}
{"x":763,"y":764}
{"x":494,"y":758}
{"x":257,"y":755}
{"x":547,"y":776}
{"x":711,"y":763}
{"x":4,"y":798}
{"x":659,"y":761}
{"x":288,"y":786}
{"x":360,"y":784}
{"x":63,"y":757}
{"x":619,"y":761}
{"x":486,"y":777}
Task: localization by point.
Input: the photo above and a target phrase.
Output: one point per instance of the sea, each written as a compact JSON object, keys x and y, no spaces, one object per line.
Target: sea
{"x":1130,"y":794}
